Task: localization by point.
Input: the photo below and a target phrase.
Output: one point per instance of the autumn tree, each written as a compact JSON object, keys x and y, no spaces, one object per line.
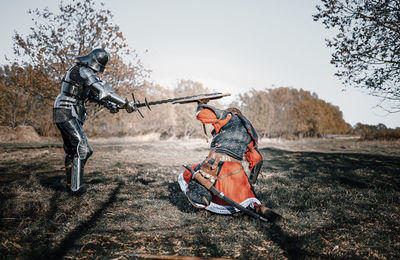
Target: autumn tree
{"x":16,"y":104}
{"x":287,"y":112}
{"x":258,"y":108}
{"x":78,"y":27}
{"x":184,"y":122}
{"x":58,"y":37}
{"x":366,"y":46}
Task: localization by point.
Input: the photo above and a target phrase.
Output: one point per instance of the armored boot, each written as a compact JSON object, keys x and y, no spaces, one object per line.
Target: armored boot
{"x":84,"y":151}
{"x":76,"y":174}
{"x":77,"y":151}
{"x":68,"y":169}
{"x":267,"y":213}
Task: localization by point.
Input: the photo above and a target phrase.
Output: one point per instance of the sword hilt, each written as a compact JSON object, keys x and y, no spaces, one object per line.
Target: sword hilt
{"x":138,"y":104}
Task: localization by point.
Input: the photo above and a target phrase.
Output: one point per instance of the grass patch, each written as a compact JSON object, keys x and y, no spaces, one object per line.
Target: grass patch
{"x":335,"y":204}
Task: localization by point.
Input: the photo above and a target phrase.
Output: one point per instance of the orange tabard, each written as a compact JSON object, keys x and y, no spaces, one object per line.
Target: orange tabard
{"x":235,"y":184}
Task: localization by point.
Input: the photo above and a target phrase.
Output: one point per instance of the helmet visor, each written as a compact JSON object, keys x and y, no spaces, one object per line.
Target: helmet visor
{"x":96,"y":66}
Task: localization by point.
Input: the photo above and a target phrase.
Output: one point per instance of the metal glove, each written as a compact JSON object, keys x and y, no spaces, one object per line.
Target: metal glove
{"x":113,"y":108}
{"x":130,"y":106}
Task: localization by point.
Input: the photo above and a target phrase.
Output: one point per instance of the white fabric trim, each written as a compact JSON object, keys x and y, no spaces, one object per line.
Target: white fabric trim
{"x":182,"y":183}
{"x":216,"y":208}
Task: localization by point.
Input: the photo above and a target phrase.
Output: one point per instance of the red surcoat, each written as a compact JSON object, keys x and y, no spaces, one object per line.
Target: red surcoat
{"x":235,"y":186}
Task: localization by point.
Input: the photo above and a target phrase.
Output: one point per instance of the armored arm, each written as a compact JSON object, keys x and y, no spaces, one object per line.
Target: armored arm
{"x":113,"y":108}
{"x":105,"y":93}
{"x":209,"y":115}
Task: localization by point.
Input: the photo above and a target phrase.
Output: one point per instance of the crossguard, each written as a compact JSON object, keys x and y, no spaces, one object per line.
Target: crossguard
{"x":138,"y":104}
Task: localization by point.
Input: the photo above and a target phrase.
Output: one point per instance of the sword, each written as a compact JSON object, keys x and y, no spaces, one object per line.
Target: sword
{"x":202,"y":98}
{"x":206,"y":183}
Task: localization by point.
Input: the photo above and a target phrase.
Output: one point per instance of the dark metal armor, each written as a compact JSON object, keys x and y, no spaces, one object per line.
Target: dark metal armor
{"x":96,"y":60}
{"x":81,"y":84}
{"x":234,"y":137}
{"x":77,"y":150}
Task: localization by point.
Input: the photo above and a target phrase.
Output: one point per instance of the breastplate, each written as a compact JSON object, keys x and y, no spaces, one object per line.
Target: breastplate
{"x":73,"y":95}
{"x":74,"y":85}
{"x":232,"y":139}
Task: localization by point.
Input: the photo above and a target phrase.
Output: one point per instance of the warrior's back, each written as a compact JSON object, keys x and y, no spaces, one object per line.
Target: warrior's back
{"x":70,"y":103}
{"x":232,"y":139}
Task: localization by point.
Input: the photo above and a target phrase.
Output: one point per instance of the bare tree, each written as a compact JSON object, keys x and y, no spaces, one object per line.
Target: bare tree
{"x":184,"y":119}
{"x":58,"y":37}
{"x":366,"y":45}
{"x":258,"y":108}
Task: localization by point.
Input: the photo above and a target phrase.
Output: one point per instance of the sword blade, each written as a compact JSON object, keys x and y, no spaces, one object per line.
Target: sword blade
{"x":159,"y":102}
{"x":177,"y":100}
{"x":236,"y":205}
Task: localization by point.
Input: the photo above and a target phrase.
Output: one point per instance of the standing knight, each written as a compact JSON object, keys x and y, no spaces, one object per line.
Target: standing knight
{"x":81,"y":84}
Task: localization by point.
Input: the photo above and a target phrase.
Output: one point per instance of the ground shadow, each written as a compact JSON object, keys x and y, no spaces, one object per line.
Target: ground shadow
{"x":11,"y":147}
{"x":340,"y":166}
{"x":69,"y":241}
{"x":53,"y":182}
{"x":23,"y":169}
{"x":290,"y":245}
{"x":367,"y":175}
{"x":176,"y":197}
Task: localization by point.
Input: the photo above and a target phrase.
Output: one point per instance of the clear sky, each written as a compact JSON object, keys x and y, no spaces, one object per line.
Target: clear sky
{"x":228,"y":45}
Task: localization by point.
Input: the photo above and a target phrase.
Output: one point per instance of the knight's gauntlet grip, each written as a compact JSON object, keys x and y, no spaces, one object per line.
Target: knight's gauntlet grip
{"x":113,"y":108}
{"x":130,"y":106}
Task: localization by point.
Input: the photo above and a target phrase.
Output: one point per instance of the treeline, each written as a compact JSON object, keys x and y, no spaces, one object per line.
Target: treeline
{"x":376,"y":132}
{"x":288,"y":112}
{"x":27,"y":97}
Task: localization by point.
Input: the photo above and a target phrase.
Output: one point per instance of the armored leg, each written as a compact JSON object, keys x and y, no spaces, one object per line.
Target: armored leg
{"x":77,"y":151}
{"x":84,"y":151}
{"x":69,"y":158}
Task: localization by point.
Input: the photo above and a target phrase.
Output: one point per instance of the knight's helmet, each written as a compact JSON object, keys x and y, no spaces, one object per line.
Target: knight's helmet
{"x":96,"y":60}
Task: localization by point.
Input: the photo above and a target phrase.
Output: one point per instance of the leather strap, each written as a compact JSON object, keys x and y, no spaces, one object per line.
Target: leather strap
{"x":230,"y":174}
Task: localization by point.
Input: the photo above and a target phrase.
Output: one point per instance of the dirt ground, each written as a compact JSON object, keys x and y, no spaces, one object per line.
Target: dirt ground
{"x":338,"y":199}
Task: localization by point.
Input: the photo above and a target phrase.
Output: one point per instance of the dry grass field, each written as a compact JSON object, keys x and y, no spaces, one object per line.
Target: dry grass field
{"x":338,"y":199}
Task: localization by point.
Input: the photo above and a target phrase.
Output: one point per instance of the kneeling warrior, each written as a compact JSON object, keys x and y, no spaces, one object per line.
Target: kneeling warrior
{"x":234,"y":138}
{"x":81,"y":84}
